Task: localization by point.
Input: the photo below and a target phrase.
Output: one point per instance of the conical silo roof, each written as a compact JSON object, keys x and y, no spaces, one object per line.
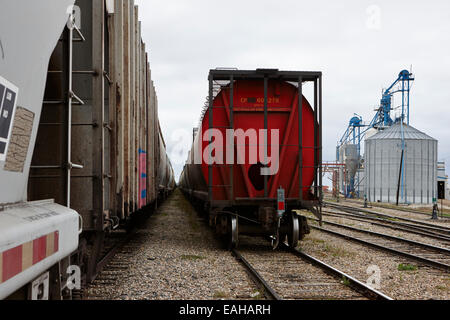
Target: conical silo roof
{"x":394,"y":132}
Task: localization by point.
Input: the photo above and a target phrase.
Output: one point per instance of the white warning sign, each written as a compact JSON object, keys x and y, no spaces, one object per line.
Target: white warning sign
{"x":8,"y":101}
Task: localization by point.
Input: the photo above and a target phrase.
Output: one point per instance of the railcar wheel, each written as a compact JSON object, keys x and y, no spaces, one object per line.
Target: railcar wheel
{"x":294,"y":230}
{"x":233,"y":232}
{"x":283,"y":237}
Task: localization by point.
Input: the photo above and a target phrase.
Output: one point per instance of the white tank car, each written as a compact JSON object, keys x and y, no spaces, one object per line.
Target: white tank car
{"x":35,"y":237}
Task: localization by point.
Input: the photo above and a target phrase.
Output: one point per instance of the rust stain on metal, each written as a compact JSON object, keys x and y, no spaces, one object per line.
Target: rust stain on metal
{"x":20,"y":140}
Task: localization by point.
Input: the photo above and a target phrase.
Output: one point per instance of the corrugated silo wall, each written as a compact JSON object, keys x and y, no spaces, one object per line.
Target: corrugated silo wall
{"x":382,"y":165}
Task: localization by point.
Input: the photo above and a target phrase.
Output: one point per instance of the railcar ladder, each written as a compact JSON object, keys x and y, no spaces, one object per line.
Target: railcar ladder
{"x":72,"y":99}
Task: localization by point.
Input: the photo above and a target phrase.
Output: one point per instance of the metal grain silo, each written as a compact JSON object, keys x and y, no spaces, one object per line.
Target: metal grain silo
{"x":383,"y":162}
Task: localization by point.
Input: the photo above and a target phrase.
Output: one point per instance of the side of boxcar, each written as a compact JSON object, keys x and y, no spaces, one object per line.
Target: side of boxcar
{"x":36,"y":238}
{"x":98,"y":148}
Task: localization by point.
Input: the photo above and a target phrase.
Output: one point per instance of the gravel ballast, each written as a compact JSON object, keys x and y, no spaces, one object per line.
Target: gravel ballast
{"x":385,"y":230}
{"x":178,"y":257}
{"x":391,"y":210}
{"x":357,"y":260}
{"x":175,"y":255}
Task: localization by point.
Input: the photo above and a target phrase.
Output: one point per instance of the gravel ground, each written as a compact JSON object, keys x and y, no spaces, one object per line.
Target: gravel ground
{"x":411,"y":215}
{"x":355,"y":259}
{"x":178,"y":258}
{"x":389,"y":231}
{"x":292,"y":277}
{"x":400,"y":213}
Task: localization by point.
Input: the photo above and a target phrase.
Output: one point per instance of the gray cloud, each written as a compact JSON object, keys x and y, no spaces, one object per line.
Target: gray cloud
{"x":187,"y":38}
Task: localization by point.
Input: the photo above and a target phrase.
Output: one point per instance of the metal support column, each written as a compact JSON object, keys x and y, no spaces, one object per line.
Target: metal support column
{"x":110,"y":124}
{"x":98,"y":116}
{"x":409,"y":88}
{"x":210,"y":167}
{"x":266,"y":127}
{"x":232,"y":127}
{"x":300,"y":137}
{"x":316,"y":158}
{"x":98,"y":112}
{"x":320,"y":144}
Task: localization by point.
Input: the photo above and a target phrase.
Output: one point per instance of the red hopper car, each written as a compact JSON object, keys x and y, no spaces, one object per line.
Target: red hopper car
{"x":248,"y":186}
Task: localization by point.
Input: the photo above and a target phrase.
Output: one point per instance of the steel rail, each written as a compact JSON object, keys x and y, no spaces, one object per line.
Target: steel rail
{"x":268,"y":291}
{"x":110,"y":254}
{"x":425,"y":261}
{"x":428,"y":230}
{"x":386,"y":236}
{"x":418,"y":223}
{"x":380,"y":214}
{"x":387,"y":224}
{"x":355,"y":284}
{"x":376,"y":205}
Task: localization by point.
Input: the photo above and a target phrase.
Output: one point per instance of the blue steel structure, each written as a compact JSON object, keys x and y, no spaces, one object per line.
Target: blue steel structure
{"x":357,"y":129}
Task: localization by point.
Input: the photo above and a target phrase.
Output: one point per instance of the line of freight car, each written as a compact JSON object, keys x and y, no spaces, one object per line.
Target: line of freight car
{"x":257,"y":110}
{"x":80,"y":126}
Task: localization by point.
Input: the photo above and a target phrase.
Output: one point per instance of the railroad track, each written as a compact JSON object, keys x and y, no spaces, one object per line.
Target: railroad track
{"x":291,"y":274}
{"x":115,"y":261}
{"x":426,"y":254}
{"x":412,"y":223}
{"x":117,"y":240}
{"x":372,"y":204}
{"x":387,"y":224}
{"x":112,"y":245}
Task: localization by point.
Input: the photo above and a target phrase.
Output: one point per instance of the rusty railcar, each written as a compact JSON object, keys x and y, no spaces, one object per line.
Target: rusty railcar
{"x":98,"y":148}
{"x":246,"y":114}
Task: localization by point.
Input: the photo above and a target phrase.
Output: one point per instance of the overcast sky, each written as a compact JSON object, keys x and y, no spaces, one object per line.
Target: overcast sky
{"x":360,"y":46}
